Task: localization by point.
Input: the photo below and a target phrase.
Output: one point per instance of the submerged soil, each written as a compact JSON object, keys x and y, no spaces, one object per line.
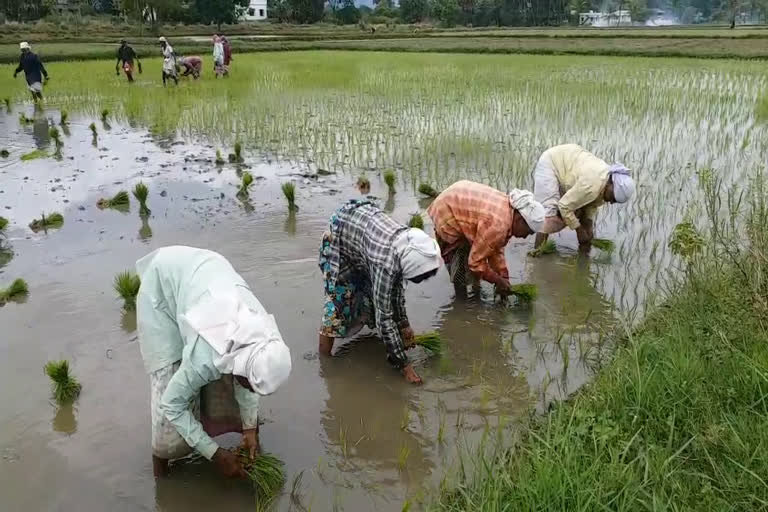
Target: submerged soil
{"x":353,"y":434}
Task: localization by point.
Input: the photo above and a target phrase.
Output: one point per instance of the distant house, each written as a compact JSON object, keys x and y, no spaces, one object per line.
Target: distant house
{"x":605,"y":19}
{"x":257,"y":10}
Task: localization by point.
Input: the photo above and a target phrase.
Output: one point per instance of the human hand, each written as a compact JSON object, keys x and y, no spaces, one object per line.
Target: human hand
{"x":227,"y":464}
{"x":251,"y":442}
{"x":410,"y":374}
{"x":407,"y":335}
{"x":503,"y":288}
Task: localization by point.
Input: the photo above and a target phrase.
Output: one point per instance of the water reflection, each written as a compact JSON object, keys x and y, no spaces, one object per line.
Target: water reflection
{"x":197,"y":486}
{"x":128,"y":321}
{"x":64,"y":420}
{"x":145,"y":231}
{"x":40,"y":132}
{"x":290,"y":223}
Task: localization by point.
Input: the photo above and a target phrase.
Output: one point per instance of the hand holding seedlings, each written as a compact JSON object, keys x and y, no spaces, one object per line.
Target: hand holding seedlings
{"x":228,"y":464}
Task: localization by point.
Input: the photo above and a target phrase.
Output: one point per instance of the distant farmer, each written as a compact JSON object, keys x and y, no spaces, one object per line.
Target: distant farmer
{"x":125,"y":58}
{"x":192,"y":64}
{"x":572,"y":184}
{"x":169,"y":62}
{"x":365,"y":256}
{"x":227,"y":51}
{"x":219,"y":68}
{"x":473,"y":224}
{"x":34,"y":71}
{"x":210,"y":349}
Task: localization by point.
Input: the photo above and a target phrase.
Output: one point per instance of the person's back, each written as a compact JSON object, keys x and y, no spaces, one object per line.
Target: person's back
{"x":126,"y":54}
{"x":465,"y":205}
{"x":32,"y":67}
{"x":366,"y":234}
{"x":572,"y":162}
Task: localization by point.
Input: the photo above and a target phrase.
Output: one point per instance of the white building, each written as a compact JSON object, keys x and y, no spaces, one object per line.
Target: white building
{"x":257,"y":10}
{"x":605,"y":19}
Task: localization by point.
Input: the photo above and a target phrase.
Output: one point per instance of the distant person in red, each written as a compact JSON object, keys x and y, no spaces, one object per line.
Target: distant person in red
{"x":227,"y":51}
{"x":125,"y":58}
{"x":193,"y":65}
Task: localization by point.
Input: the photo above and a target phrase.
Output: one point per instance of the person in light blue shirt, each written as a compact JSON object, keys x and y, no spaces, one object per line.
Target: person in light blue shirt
{"x":210,"y":349}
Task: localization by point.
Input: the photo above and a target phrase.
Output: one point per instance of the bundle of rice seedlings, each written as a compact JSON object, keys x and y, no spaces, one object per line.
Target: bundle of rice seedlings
{"x":427,"y":190}
{"x":34,"y":155}
{"x":17,"y":290}
{"x":3,"y":223}
{"x":548,"y":247}
{"x":5,"y":153}
{"x":119,"y":201}
{"x":64,"y":117}
{"x":104,"y":115}
{"x":265,"y":471}
{"x":53,"y":220}
{"x":524,"y":292}
{"x":23,"y":119}
{"x":219,"y":158}
{"x":127,"y":286}
{"x":141,"y":192}
{"x":289,"y":191}
{"x":430,"y":341}
{"x":237,"y":156}
{"x":390,"y":178}
{"x":245,"y":182}
{"x":363,"y":184}
{"x":603,"y":244}
{"x":417,"y":221}
{"x":65,"y":387}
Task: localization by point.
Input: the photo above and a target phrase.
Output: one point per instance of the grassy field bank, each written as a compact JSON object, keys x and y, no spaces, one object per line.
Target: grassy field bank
{"x":678,"y":420}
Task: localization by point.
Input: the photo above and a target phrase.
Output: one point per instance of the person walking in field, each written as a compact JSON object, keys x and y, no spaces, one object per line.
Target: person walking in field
{"x":227,"y":52}
{"x":365,"y":256}
{"x":125,"y":57}
{"x":169,"y":62}
{"x":192,"y":64}
{"x":473,"y":224}
{"x":219,"y":68}
{"x":572,"y":184}
{"x":34,"y":71}
{"x":210,"y":349}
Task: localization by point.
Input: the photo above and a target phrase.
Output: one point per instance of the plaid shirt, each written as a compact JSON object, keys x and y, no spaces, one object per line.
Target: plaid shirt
{"x":480,"y":214}
{"x":362,"y":236}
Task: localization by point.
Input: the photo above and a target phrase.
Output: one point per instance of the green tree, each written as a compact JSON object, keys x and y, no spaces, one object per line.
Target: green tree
{"x":446,"y":11}
{"x":306,"y":11}
{"x":638,"y":10}
{"x":414,"y":11}
{"x":220,"y":11}
{"x":348,"y":14}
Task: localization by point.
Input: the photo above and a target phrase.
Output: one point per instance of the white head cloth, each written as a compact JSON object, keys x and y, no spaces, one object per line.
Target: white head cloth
{"x":162,"y":39}
{"x":532,"y":211}
{"x":24,"y":46}
{"x":247,"y":341}
{"x":623,"y":184}
{"x":419,"y":253}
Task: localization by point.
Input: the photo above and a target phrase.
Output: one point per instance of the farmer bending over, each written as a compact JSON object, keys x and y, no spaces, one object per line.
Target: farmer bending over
{"x":192,"y":65}
{"x":34,"y":71}
{"x":365,"y":255}
{"x":125,"y":56}
{"x":210,"y":350}
{"x":572,"y":184}
{"x":473,"y":224}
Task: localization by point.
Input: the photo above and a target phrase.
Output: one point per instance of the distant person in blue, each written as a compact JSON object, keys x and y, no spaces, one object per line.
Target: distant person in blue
{"x":33,"y":70}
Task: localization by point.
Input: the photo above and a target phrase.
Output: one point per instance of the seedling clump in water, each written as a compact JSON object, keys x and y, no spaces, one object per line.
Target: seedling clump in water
{"x":237,"y":156}
{"x":65,"y":387}
{"x":17,"y":290}
{"x":603,"y":244}
{"x":524,"y":292}
{"x":246,"y":181}
{"x":34,"y":155}
{"x":120,"y":201}
{"x":64,"y":117}
{"x":430,"y":341}
{"x":141,"y":192}
{"x":104,"y":115}
{"x":289,"y":191}
{"x":427,"y":190}
{"x":390,"y":179}
{"x":127,"y":286}
{"x":219,"y":158}
{"x":53,"y":220}
{"x":547,"y":247}
{"x":417,"y":221}
{"x":54,"y":134}
{"x":266,"y":472}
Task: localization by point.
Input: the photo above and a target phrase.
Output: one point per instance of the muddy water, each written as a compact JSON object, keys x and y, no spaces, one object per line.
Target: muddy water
{"x":353,"y":434}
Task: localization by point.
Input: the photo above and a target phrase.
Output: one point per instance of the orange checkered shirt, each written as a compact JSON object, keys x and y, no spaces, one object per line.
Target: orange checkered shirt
{"x":480,"y":214}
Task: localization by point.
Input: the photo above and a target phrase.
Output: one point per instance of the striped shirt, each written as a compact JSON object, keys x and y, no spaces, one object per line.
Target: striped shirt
{"x":479,"y":214}
{"x":362,"y":236}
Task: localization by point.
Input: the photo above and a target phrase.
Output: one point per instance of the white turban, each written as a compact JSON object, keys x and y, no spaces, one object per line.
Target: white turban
{"x":419,"y":253}
{"x":247,"y":341}
{"x":532,"y":211}
{"x":623,"y":184}
{"x":162,"y":39}
{"x":24,"y":46}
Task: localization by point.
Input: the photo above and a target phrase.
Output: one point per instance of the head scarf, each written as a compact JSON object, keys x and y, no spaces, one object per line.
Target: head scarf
{"x":532,"y":211}
{"x":162,"y":39}
{"x":24,"y":46}
{"x":418,"y":252}
{"x":623,"y":184}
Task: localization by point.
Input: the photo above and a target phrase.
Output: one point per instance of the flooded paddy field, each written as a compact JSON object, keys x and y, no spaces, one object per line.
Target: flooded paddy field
{"x":353,"y":434}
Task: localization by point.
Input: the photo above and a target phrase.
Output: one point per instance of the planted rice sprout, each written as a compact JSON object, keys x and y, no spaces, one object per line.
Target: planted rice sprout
{"x":237,"y":156}
{"x":524,"y":292}
{"x":119,"y":201}
{"x":548,"y":247}
{"x":3,"y":223}
{"x":64,"y":117}
{"x":104,"y":115}
{"x":94,"y":130}
{"x":51,"y":221}
{"x":390,"y":179}
{"x":430,"y":341}
{"x":127,"y":285}
{"x":416,"y":221}
{"x":245,"y":182}
{"x":289,"y":191}
{"x":427,"y":190}
{"x":265,"y":472}
{"x":603,"y":244}
{"x":54,"y":134}
{"x":219,"y":159}
{"x":402,"y":456}
{"x":65,"y":386}
{"x":141,"y":192}
{"x":17,"y":290}
{"x":7,"y":102}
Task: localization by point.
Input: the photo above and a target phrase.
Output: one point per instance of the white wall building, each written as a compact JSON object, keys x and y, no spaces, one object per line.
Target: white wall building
{"x":257,"y":10}
{"x":605,"y":19}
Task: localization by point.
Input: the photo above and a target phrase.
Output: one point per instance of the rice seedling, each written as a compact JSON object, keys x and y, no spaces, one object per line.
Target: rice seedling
{"x":94,"y":130}
{"x":104,"y":115}
{"x":524,"y":292}
{"x":416,"y":221}
{"x":65,"y":386}
{"x":390,"y":179}
{"x":237,"y":156}
{"x":364,"y":185}
{"x":219,"y":159}
{"x":402,"y":456}
{"x":603,"y":244}
{"x":245,"y":181}
{"x":430,"y":341}
{"x":52,"y":221}
{"x":427,"y":190}
{"x":120,"y":201}
{"x":265,"y":472}
{"x":127,"y":285}
{"x":23,"y":119}
{"x":141,"y":192}
{"x":17,"y":290}
{"x":4,"y":153}
{"x":7,"y":102}
{"x":54,"y":134}
{"x":343,"y":430}
{"x":3,"y":223}
{"x":34,"y":155}
{"x":289,"y":191}
{"x":64,"y":117}
{"x":548,"y":247}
